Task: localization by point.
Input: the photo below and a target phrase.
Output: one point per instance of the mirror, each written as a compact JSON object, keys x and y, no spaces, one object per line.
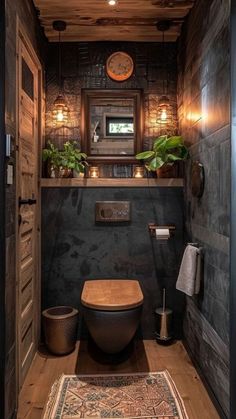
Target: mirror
{"x":111,"y":125}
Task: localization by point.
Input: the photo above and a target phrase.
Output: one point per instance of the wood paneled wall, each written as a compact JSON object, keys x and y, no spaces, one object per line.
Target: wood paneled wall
{"x":204,"y":121}
{"x":26,"y":13}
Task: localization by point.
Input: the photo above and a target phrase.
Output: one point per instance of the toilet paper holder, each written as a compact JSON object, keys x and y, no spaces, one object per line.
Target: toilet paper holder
{"x":153,"y":227}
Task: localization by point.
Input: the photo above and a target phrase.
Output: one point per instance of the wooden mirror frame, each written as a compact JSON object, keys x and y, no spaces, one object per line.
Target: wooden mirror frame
{"x":87,"y":96}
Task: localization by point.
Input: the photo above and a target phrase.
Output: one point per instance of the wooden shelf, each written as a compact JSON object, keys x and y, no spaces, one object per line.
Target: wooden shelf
{"x":111,"y":183}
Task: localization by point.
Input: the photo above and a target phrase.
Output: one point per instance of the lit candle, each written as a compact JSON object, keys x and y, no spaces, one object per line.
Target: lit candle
{"x":139,"y":171}
{"x":94,"y":171}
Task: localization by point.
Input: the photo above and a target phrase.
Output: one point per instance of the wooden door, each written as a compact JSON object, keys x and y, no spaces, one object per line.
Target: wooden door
{"x":28,"y":290}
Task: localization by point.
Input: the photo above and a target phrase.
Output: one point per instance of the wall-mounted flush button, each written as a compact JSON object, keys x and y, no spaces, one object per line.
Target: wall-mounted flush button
{"x":112,"y":211}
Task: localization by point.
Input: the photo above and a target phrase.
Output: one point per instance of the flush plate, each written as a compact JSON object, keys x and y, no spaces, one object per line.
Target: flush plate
{"x":112,"y":211}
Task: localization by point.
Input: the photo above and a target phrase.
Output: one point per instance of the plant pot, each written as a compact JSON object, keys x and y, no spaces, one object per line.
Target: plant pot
{"x":64,"y":172}
{"x":60,"y":327}
{"x":168,"y":171}
{"x":78,"y":174}
{"x":58,"y":172}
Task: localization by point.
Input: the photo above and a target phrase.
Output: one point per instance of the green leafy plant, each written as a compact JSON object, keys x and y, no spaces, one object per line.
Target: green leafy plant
{"x":53,"y":155}
{"x":73,"y":158}
{"x":69,"y":158}
{"x":166,"y":150}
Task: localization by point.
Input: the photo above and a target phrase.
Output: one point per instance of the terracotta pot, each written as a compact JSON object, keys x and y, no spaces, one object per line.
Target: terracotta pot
{"x":168,"y":171}
{"x":64,"y":172}
{"x":58,"y":172}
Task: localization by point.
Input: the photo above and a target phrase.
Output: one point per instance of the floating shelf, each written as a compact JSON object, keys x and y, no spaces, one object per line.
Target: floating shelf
{"x":111,"y":183}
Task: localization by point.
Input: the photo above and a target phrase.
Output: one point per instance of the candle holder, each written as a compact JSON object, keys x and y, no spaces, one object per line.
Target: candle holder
{"x":139,"y":171}
{"x":94,"y":172}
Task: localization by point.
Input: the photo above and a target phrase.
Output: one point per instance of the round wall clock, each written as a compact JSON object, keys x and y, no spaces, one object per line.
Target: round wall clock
{"x":119,"y":66}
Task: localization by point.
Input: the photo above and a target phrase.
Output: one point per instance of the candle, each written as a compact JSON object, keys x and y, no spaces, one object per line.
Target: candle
{"x":139,"y":171}
{"x":94,"y":171}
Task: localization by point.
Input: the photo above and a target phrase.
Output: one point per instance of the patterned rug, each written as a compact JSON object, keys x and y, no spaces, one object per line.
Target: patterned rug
{"x":144,"y":395}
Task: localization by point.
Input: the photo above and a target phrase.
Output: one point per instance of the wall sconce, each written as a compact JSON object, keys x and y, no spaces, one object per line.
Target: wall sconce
{"x":139,"y":171}
{"x":94,"y":172}
{"x":60,"y":109}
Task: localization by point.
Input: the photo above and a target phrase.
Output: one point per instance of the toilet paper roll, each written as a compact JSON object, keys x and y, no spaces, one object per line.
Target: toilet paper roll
{"x":162,"y":233}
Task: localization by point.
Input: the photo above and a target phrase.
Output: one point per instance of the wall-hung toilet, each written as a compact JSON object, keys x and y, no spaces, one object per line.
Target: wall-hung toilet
{"x":112,"y":310}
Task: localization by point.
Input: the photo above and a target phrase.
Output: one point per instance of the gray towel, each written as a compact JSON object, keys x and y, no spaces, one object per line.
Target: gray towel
{"x":190,"y":271}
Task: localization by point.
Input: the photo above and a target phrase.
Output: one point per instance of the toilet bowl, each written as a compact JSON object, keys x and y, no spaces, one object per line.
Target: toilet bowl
{"x":112,"y":310}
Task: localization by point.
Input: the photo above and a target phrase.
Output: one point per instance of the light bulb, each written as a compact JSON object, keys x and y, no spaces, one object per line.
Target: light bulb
{"x":60,"y":110}
{"x":112,"y":2}
{"x":163,"y":115}
{"x":60,"y":116}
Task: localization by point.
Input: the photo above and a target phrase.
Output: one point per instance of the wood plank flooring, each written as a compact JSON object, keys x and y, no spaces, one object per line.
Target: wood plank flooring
{"x":145,"y":356}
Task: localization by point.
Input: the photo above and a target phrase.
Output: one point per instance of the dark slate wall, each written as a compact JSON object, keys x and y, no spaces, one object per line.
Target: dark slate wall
{"x":2,"y":206}
{"x":75,"y":248}
{"x":203,"y":104}
{"x":83,"y":66}
{"x":26,"y":13}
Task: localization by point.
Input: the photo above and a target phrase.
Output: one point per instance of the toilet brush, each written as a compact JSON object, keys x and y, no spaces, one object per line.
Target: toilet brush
{"x":163,"y":300}
{"x":163,"y":320}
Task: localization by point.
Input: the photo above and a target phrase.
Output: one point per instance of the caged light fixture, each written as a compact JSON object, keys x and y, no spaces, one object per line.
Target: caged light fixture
{"x":60,"y":108}
{"x":165,"y":110}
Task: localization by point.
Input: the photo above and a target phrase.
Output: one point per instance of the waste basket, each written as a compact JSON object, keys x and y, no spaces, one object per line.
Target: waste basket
{"x":60,"y":327}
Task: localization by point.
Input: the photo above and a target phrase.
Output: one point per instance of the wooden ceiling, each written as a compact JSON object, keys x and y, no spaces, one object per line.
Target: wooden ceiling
{"x":129,"y":20}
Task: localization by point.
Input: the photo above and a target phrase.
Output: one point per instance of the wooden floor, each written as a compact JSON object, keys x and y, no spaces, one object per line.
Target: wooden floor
{"x":146,"y":356}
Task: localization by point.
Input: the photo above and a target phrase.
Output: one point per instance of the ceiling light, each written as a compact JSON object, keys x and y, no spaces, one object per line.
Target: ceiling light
{"x":112,"y":2}
{"x":60,"y":108}
{"x":164,"y":109}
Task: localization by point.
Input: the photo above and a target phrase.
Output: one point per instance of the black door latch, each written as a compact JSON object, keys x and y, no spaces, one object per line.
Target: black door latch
{"x":29,"y":201}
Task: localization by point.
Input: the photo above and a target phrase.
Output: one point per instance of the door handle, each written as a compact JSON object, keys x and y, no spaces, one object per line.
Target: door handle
{"x":29,"y":201}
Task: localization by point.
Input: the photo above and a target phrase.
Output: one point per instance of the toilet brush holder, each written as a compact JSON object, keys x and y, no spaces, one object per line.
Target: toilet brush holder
{"x":163,"y":324}
{"x":163,"y":321}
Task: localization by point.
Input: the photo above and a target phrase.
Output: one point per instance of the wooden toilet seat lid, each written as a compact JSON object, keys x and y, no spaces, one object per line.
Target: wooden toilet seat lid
{"x":112,"y":294}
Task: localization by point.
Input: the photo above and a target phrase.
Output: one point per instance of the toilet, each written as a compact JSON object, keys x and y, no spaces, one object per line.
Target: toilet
{"x":112,"y":310}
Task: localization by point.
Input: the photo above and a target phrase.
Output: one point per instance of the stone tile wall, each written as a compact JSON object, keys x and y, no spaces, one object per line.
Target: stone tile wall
{"x":203,"y":109}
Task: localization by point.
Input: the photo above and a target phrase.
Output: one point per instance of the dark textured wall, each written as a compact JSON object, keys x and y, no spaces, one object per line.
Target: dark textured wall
{"x":75,"y":249}
{"x":81,"y":250}
{"x":83,"y":66}
{"x":25,"y":11}
{"x":2,"y":206}
{"x":203,"y":99}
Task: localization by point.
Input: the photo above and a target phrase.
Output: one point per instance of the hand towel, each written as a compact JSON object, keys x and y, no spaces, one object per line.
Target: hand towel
{"x":186,"y":281}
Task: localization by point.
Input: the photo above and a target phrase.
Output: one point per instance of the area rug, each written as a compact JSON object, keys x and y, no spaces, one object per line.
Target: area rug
{"x":144,"y":395}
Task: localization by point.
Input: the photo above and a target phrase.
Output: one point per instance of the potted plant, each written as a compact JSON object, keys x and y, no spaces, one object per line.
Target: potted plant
{"x":165,"y":152}
{"x":63,"y":163}
{"x":73,"y":159}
